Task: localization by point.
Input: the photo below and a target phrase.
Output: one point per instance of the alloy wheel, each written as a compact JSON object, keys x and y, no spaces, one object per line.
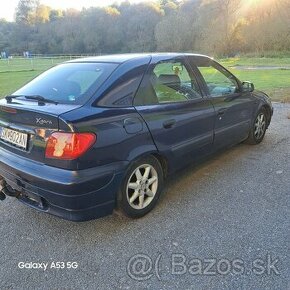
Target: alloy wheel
{"x":260,"y":126}
{"x":142,"y":186}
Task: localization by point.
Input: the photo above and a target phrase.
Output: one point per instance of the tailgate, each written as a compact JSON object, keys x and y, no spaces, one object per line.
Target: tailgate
{"x":25,"y":126}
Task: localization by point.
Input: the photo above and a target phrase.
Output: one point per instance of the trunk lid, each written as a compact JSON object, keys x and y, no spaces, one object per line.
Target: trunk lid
{"x":26,"y":125}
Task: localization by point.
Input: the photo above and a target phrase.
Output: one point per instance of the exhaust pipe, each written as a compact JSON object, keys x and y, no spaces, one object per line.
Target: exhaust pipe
{"x":5,"y":189}
{"x":2,"y":196}
{"x":2,"y":185}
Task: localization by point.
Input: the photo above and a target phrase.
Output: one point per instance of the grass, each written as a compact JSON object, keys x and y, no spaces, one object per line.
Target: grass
{"x":16,"y":72}
{"x":276,"y":82}
{"x":11,"y":81}
{"x":24,"y":64}
{"x":255,"y":61}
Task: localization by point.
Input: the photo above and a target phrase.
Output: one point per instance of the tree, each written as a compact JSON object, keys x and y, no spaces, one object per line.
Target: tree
{"x":171,"y":34}
{"x":42,"y":14}
{"x":6,"y":30}
{"x":137,"y":26}
{"x":25,"y":11}
{"x":219,"y":27}
{"x":55,"y":14}
{"x":169,"y":6}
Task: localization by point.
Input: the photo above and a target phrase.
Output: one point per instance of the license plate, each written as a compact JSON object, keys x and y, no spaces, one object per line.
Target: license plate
{"x":14,"y":137}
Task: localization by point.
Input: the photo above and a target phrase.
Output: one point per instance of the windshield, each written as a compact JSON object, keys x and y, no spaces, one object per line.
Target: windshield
{"x":69,"y":83}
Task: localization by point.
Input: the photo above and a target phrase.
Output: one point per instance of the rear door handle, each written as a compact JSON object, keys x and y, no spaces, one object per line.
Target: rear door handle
{"x":169,"y":123}
{"x":222,"y":111}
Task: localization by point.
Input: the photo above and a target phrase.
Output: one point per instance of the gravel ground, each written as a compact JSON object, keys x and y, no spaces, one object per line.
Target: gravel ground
{"x":223,"y":224}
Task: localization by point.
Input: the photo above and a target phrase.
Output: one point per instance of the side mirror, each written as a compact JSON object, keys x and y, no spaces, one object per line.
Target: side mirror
{"x":248,"y":87}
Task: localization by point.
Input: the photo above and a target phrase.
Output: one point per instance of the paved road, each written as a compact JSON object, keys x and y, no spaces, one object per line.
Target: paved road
{"x":221,"y":225}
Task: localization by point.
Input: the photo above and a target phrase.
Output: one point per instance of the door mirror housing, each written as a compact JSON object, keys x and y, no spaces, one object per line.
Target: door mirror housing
{"x":248,"y":87}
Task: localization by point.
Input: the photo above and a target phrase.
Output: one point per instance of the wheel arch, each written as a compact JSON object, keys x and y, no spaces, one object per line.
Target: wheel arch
{"x":161,"y":158}
{"x":163,"y":161}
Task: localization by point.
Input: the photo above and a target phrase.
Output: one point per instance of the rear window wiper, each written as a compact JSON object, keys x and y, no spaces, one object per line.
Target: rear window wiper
{"x":9,"y":98}
{"x":41,"y":100}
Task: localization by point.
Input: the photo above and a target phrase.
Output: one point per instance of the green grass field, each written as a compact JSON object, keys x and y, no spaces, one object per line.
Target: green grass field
{"x":255,"y":61}
{"x":276,"y":82}
{"x":14,"y":73}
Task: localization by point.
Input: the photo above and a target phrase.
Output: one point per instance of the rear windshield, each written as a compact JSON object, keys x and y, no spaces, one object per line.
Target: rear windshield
{"x":69,"y":83}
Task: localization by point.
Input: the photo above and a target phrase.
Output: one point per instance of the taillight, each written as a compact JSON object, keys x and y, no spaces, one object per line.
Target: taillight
{"x":68,"y":146}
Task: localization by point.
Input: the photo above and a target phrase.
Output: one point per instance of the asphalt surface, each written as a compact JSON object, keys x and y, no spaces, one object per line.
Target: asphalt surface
{"x":223,"y":224}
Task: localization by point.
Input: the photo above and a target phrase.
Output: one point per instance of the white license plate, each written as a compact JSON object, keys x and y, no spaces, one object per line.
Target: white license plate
{"x":14,"y":137}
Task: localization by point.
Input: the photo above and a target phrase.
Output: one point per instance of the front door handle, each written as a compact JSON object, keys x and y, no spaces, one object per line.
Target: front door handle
{"x":169,"y":123}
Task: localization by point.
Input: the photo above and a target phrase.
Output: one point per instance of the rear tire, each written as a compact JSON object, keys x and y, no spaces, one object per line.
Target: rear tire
{"x":141,"y":187}
{"x":259,"y":128}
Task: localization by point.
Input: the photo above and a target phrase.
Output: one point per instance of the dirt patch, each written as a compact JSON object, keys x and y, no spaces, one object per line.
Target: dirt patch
{"x":286,"y":100}
{"x":279,"y":95}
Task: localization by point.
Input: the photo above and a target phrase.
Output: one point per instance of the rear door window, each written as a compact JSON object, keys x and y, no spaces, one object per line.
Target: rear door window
{"x":168,"y":82}
{"x":173,"y":83}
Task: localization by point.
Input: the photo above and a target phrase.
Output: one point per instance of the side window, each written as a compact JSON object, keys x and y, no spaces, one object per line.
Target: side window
{"x":171,"y":82}
{"x":121,"y":91}
{"x":219,"y":81}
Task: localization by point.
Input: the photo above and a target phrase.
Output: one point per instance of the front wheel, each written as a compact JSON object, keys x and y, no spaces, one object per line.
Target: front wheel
{"x":141,"y":187}
{"x":258,"y":129}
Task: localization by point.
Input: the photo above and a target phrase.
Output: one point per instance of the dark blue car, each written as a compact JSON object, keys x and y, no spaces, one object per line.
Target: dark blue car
{"x":100,"y":133}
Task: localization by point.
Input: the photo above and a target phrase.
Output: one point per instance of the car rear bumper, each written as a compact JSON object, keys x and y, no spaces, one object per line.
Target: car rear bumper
{"x":73,"y":195}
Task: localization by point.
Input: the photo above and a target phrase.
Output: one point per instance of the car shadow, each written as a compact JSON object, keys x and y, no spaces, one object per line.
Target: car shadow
{"x":180,"y":183}
{"x":185,"y":180}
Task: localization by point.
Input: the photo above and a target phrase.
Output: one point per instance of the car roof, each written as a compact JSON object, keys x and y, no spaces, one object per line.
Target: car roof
{"x":121,"y":58}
